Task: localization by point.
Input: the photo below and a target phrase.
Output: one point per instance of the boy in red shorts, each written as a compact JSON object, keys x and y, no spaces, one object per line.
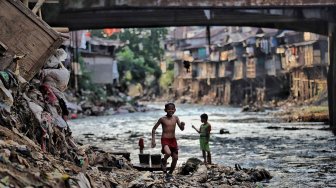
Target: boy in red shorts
{"x":168,"y":140}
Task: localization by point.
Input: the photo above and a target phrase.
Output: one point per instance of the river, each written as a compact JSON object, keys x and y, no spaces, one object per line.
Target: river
{"x":295,"y":158}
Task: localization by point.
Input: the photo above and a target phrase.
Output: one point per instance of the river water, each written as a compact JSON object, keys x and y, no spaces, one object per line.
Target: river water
{"x":295,"y":158}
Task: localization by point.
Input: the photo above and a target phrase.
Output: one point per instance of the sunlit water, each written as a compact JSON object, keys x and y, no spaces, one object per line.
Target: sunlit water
{"x":296,"y":158}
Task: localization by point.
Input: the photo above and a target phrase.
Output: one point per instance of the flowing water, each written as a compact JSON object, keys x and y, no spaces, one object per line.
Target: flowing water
{"x":296,"y":158}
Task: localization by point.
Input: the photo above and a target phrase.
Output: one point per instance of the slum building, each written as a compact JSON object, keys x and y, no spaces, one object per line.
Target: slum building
{"x":189,"y":47}
{"x":99,"y":59}
{"x":263,"y":67}
{"x":94,"y":56}
{"x":218,"y":69}
{"x":244,"y":65}
{"x":304,"y":56}
{"x":175,"y":40}
{"x":201,"y":75}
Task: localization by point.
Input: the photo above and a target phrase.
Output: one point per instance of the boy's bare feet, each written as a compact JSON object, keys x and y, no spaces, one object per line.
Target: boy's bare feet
{"x":169,"y":176}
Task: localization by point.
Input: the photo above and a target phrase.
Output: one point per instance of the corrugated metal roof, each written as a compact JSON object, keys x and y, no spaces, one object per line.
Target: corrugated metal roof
{"x":286,"y":33}
{"x":238,"y":37}
{"x":303,"y":43}
{"x":213,"y":32}
{"x":105,"y":42}
{"x":194,"y":46}
{"x":266,"y":32}
{"x":269,"y":30}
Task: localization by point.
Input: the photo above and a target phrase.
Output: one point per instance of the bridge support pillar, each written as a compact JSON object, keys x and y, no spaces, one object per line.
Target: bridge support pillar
{"x":332,"y":77}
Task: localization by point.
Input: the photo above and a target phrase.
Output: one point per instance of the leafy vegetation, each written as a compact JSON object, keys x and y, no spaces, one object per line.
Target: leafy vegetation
{"x":141,"y":56}
{"x":131,"y":68}
{"x":167,"y":78}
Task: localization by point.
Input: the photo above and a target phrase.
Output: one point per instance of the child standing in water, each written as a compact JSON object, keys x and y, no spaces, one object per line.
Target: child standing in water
{"x":168,"y":140}
{"x":204,"y":132}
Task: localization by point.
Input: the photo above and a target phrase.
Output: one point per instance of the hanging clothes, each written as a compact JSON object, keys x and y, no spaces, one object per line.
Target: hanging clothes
{"x":115,"y":73}
{"x":250,"y":51}
{"x":274,"y":42}
{"x":301,"y":55}
{"x":264,"y":45}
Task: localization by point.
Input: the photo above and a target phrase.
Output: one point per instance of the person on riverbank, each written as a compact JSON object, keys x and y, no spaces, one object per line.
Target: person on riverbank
{"x":204,"y":132}
{"x":168,"y":140}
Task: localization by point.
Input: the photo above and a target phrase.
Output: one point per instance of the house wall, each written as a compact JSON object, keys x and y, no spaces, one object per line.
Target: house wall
{"x":307,"y":83}
{"x":101,"y":69}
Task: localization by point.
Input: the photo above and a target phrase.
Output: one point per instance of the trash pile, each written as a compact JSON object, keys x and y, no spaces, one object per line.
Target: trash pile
{"x":36,"y":143}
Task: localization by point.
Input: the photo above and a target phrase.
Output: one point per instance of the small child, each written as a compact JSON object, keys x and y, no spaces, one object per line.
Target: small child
{"x":204,"y":132}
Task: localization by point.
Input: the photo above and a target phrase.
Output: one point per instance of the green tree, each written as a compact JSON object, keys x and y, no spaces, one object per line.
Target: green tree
{"x":146,"y":43}
{"x":141,"y":55}
{"x":167,"y":78}
{"x":131,"y":69}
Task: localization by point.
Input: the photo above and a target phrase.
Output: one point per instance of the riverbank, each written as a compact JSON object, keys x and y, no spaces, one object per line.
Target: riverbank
{"x":304,"y":114}
{"x":312,"y":110}
{"x":286,"y":113}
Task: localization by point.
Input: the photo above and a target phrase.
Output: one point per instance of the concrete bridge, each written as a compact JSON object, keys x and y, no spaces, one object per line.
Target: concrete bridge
{"x":316,"y":16}
{"x":302,"y":15}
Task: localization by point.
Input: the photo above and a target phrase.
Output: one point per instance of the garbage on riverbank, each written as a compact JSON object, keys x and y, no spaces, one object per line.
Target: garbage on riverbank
{"x":36,"y":146}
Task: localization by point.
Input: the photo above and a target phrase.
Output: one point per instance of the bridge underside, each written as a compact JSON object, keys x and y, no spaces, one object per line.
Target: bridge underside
{"x":301,"y":19}
{"x":313,"y":20}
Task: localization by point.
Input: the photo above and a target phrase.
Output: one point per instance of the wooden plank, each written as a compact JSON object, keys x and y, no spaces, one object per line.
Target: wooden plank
{"x":24,"y":33}
{"x":37,"y":6}
{"x":250,"y":68}
{"x":151,"y":168}
{"x":125,"y":154}
{"x":29,"y":14}
{"x":61,"y":29}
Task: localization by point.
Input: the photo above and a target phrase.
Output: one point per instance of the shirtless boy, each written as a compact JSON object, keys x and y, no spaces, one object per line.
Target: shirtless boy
{"x":168,"y":140}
